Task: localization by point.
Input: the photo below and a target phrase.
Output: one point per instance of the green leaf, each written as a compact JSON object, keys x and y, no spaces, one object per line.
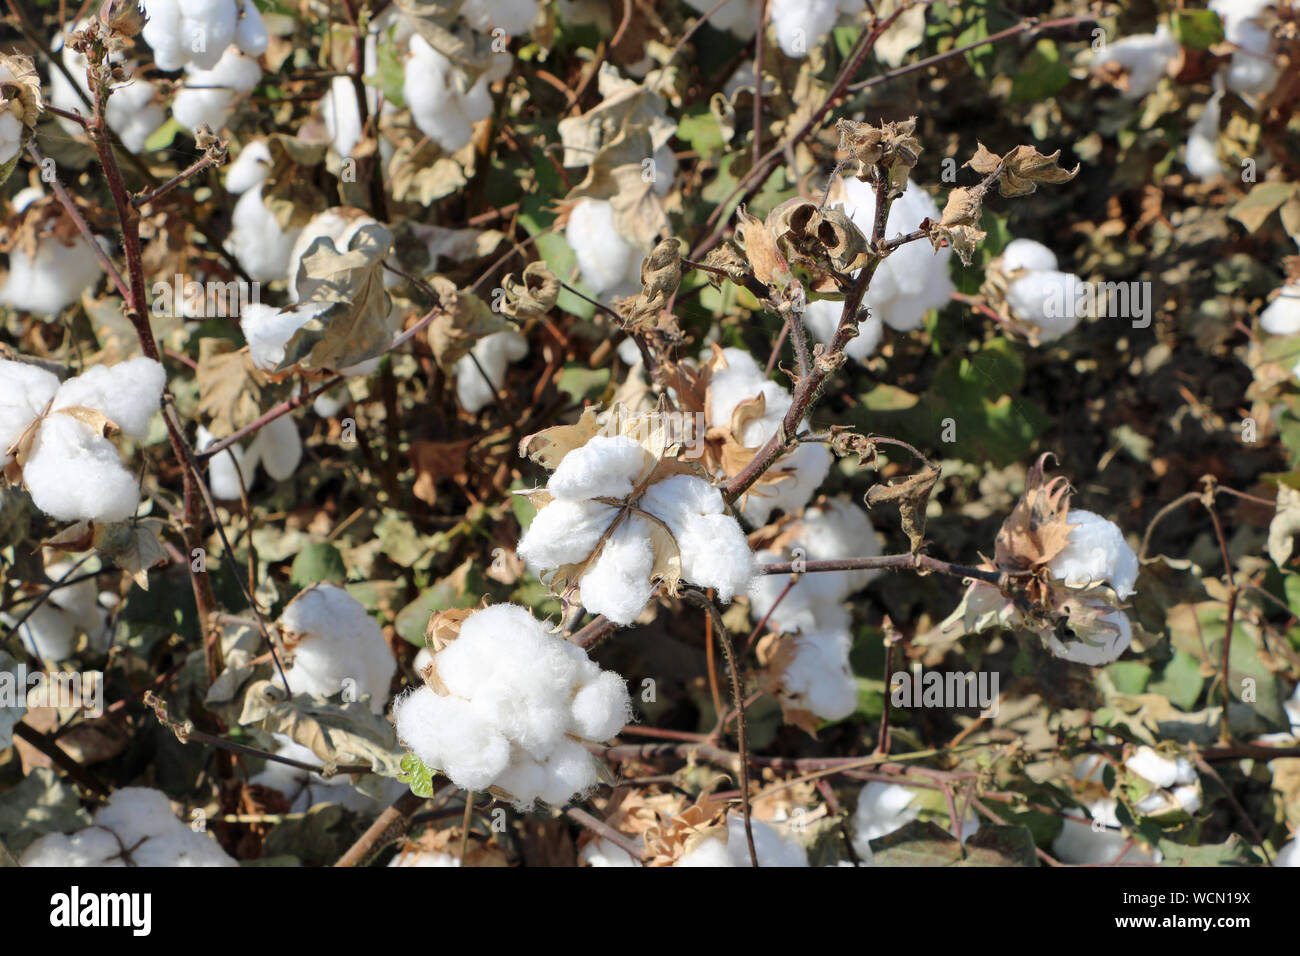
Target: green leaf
{"x":1181,"y":681}
{"x":318,"y":562}
{"x":1252,"y":210}
{"x":1041,"y":74}
{"x":699,"y":127}
{"x":580,"y":382}
{"x":1130,"y":677}
{"x":1197,"y":29}
{"x":416,"y":775}
{"x":1232,"y":852}
{"x":921,"y":843}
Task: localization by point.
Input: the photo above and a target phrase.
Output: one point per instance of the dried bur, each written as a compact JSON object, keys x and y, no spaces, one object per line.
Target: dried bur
{"x":20,"y":98}
{"x":647,"y":316}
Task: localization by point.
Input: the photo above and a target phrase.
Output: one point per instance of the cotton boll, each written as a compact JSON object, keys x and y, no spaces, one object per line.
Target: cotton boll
{"x":513,"y":16}
{"x":250,"y":167}
{"x":914,"y":279}
{"x":882,"y":808}
{"x":51,"y":281}
{"x":772,"y":847}
{"x":609,"y":265}
{"x":79,"y":602}
{"x":257,"y":240}
{"x":1144,"y":57}
{"x":1252,"y":68}
{"x":1160,"y":770}
{"x":1282,"y":317}
{"x":331,"y":224}
{"x":819,"y":675}
{"x":342,"y":115}
{"x":564,"y":532}
{"x":250,"y":32}
{"x":132,"y":109}
{"x":1096,"y":551}
{"x":491,"y":354}
{"x":11,"y":136}
{"x":1079,"y":843}
{"x":74,"y":474}
{"x":605,"y":467}
{"x":714,"y":550}
{"x":444,"y":732}
{"x":269,"y":330}
{"x":329,"y":404}
{"x":618,"y":582}
{"x":226,"y":468}
{"x":799,"y":24}
{"x":808,"y":465}
{"x":209,"y":96}
{"x":1103,"y":644}
{"x":604,"y":853}
{"x":1048,"y":299}
{"x":338,"y":641}
{"x":738,"y":16}
{"x":822,"y":316}
{"x":1028,"y":255}
{"x":1202,"y":153}
{"x":1288,"y":854}
{"x":88,"y":847}
{"x":600,"y":707}
{"x":438,"y":107}
{"x":48,"y":633}
{"x":433,"y":858}
{"x":128,"y":393}
{"x":25,"y":390}
{"x":279,"y":448}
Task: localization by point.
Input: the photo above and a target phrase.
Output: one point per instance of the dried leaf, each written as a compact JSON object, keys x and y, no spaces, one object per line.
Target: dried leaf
{"x":912,"y":494}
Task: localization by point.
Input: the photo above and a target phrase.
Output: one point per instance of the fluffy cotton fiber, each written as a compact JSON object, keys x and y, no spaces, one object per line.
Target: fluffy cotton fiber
{"x":53,"y":279}
{"x":197,"y":32}
{"x":801,"y":24}
{"x":51,"y":631}
{"x":1096,"y":551}
{"x":1143,"y":57}
{"x":442,"y":108}
{"x":136,"y":827}
{"x":771,"y":846}
{"x":519,"y":704}
{"x":491,"y":354}
{"x":210,"y":96}
{"x":513,"y":16}
{"x":276,"y":448}
{"x":714,"y":552}
{"x":72,"y":472}
{"x":1038,"y":292}
{"x":339,"y":646}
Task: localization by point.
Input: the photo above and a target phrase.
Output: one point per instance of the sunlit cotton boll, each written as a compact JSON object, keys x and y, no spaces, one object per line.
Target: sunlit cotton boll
{"x":1096,"y":551}
{"x":53,"y":279}
{"x":337,"y":225}
{"x":1144,"y":58}
{"x":1039,"y":293}
{"x":481,"y":374}
{"x":1202,"y":153}
{"x":1082,"y":843}
{"x":518,"y":701}
{"x":209,"y":97}
{"x":605,"y":853}
{"x":772,"y":847}
{"x":50,"y":632}
{"x":136,"y":827}
{"x":1101,"y":644}
{"x":1282,"y":316}
{"x":268,"y":330}
{"x":339,"y":647}
{"x":197,"y":32}
{"x":513,"y":16}
{"x":822,"y":316}
{"x":914,"y":278}
{"x":435,"y":90}
{"x":1252,"y":68}
{"x":882,"y":808}
{"x":800,"y":24}
{"x":609,"y":265}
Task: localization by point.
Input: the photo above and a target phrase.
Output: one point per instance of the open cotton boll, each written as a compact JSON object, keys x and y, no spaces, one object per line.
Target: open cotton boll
{"x":250,"y":167}
{"x":128,"y":393}
{"x":48,"y":633}
{"x":133,"y":109}
{"x":800,"y":24}
{"x":491,"y":354}
{"x":715,"y":553}
{"x":604,"y":853}
{"x":1103,"y":644}
{"x":819,"y":677}
{"x":25,"y":390}
{"x":268,"y":330}
{"x":822,"y":316}
{"x":339,"y":648}
{"x":1080,"y":844}
{"x":1252,"y":68}
{"x":135,"y":827}
{"x":1048,"y":300}
{"x":278,"y":447}
{"x":11,"y":136}
{"x":738,"y":16}
{"x":1028,"y":255}
{"x":257,"y":240}
{"x":1288,"y":854}
{"x":808,"y":465}
{"x":305,"y":789}
{"x":74,"y":474}
{"x":618,"y":582}
{"x":518,"y":698}
{"x":1162,"y":771}
{"x":1282,"y":317}
{"x":432,"y":87}
{"x":1202,"y":153}
{"x":342,"y":115}
{"x":52,"y":280}
{"x":914,"y":279}
{"x":564,"y":532}
{"x":771,"y":846}
{"x":209,"y":97}
{"x":513,"y":16}
{"x":882,"y":808}
{"x":607,"y":466}
{"x":1144,"y":57}
{"x":609,"y":265}
{"x":1096,"y":551}
{"x":227,"y":467}
{"x":197,"y":32}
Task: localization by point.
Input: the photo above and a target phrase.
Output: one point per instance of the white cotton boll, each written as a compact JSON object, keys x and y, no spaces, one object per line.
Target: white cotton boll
{"x":444,"y":732}
{"x":772,"y":847}
{"x":1282,"y":317}
{"x":1202,"y":153}
{"x":74,"y":474}
{"x":564,"y":532}
{"x":1144,"y":56}
{"x":513,"y":16}
{"x":226,"y":467}
{"x":257,"y":240}
{"x":570,"y":774}
{"x":711,"y":852}
{"x":1048,"y":300}
{"x":338,"y":641}
{"x":48,"y":633}
{"x":11,"y":136}
{"x":800,"y":24}
{"x":89,"y":847}
{"x":914,"y":279}
{"x":80,"y":601}
{"x":305,"y":789}
{"x":128,"y":393}
{"x":25,"y":390}
{"x":737,"y":16}
{"x":250,"y":167}
{"x":250,"y":32}
{"x":1288,"y":854}
{"x":207,"y":28}
{"x":210,"y":96}
{"x":1096,"y":551}
{"x":269,"y":330}
{"x":524,"y":780}
{"x":609,"y":265}
{"x":1252,"y":68}
{"x":601,"y":707}
{"x":819,"y":675}
{"x":428,"y":858}
{"x":741,"y":380}
{"x":1104,"y":644}
{"x":1028,"y":255}
{"x":133,"y":110}
{"x":713,"y":548}
{"x":809,"y":465}
{"x":329,"y":404}
{"x":618,"y":582}
{"x":607,"y":466}
{"x":342,"y":115}
{"x":491,"y":354}
{"x":279,"y":448}
{"x":1160,"y":770}
{"x":53,"y":280}
{"x":432,"y":90}
{"x":822,"y":316}
{"x":604,"y":853}
{"x":1187,"y":798}
{"x":1080,"y":844}
{"x":629,"y":353}
{"x":882,"y":808}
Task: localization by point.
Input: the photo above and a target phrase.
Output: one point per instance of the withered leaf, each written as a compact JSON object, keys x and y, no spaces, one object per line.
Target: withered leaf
{"x":463,"y":318}
{"x":533,"y":293}
{"x":232,"y":391}
{"x":912,"y":494}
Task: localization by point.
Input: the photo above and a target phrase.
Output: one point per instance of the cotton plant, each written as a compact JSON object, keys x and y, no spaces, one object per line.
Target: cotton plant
{"x":134,"y":109}
{"x":46,"y":278}
{"x":209,"y":97}
{"x":1163,"y":786}
{"x":184,"y":33}
{"x":883,"y":808}
{"x":1038,"y":299}
{"x":739,"y":17}
{"x":305,"y":789}
{"x":445,"y":102}
{"x":136,"y":827}
{"x":1068,"y":573}
{"x":508,"y":706}
{"x":51,"y":630}
{"x":747,"y":408}
{"x":481,"y":373}
{"x":1252,"y":68}
{"x":619,"y":518}
{"x":812,"y":663}
{"x":1098,"y":841}
{"x":54,"y":436}
{"x":256,"y":239}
